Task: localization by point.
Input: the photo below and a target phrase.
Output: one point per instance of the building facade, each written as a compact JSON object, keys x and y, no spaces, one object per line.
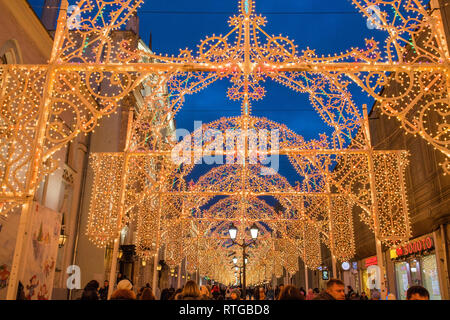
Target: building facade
{"x":424,"y":260}
{"x":27,"y":39}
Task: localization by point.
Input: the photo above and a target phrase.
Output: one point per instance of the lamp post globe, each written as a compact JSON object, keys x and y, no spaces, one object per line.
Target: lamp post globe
{"x":232,"y":231}
{"x":254,"y":231}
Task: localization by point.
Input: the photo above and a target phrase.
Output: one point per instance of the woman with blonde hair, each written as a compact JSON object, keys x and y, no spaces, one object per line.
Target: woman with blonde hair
{"x":190,"y":291}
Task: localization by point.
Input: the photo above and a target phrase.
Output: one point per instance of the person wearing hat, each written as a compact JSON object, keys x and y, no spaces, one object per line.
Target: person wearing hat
{"x":124,"y":291}
{"x":124,"y":284}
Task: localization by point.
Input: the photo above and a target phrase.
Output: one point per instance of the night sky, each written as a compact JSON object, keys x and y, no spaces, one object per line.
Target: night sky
{"x":328,"y":26}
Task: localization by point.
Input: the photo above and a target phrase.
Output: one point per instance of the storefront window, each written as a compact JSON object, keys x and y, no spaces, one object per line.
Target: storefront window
{"x":364,"y":277}
{"x":414,"y":267}
{"x":430,"y":277}
{"x":418,"y":272}
{"x":401,"y":273}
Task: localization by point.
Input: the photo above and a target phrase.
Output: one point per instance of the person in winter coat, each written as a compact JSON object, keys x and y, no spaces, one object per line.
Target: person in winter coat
{"x":349,"y":292}
{"x":103,"y":292}
{"x":291,"y":293}
{"x":335,"y":291}
{"x":123,"y":294}
{"x":310,"y":294}
{"x":90,"y":292}
{"x":215,"y":292}
{"x":147,"y":294}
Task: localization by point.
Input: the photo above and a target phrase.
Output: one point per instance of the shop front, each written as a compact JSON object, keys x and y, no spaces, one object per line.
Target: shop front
{"x":350,"y":275}
{"x":416,"y":264}
{"x":369,"y":275}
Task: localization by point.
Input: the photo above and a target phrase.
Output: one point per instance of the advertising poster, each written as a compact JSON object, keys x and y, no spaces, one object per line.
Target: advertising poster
{"x":8,"y":232}
{"x":41,"y":252}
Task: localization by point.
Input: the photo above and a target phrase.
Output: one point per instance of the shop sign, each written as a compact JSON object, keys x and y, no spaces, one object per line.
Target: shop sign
{"x":415,"y":247}
{"x":371,"y":262}
{"x":393,"y":253}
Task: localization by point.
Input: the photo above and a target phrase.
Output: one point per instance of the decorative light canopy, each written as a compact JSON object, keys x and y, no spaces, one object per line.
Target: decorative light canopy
{"x":91,"y":72}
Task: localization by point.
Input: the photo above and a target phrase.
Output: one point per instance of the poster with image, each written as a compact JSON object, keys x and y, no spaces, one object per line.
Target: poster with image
{"x":41,"y":253}
{"x":8,"y":233}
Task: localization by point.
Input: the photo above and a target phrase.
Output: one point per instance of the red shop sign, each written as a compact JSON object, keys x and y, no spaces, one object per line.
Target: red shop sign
{"x":371,"y":261}
{"x":415,"y":247}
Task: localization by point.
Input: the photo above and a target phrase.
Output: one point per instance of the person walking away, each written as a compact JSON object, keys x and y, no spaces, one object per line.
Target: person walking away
{"x":363,"y":296}
{"x":190,"y":291}
{"x":20,"y":292}
{"x":278,"y":291}
{"x":103,"y":292}
{"x":228,"y":293}
{"x":270,"y":293}
{"x":120,"y":277}
{"x":291,"y":293}
{"x":176,"y":294}
{"x":165,"y":294}
{"x":354,"y":296}
{"x":316,"y":292}
{"x":147,"y":294}
{"x":260,"y":293}
{"x":310,"y":294}
{"x":349,"y":292}
{"x":90,"y":291}
{"x":335,"y":291}
{"x":375,"y":295}
{"x":303,"y":291}
{"x":123,"y":294}
{"x":215,"y":292}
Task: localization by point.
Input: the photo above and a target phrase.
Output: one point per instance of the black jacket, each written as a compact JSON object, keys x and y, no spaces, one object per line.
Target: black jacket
{"x":103,"y":293}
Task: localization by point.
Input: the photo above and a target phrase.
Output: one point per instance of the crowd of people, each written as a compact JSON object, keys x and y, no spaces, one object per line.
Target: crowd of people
{"x":335,"y":290}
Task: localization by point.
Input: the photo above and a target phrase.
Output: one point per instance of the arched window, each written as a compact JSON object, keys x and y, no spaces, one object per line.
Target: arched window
{"x":10,"y":53}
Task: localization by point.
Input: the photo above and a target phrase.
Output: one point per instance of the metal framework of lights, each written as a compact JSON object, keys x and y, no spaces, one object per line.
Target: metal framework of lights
{"x":89,"y":74}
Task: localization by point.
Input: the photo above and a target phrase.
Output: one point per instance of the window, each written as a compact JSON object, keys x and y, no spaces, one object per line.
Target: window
{"x":10,"y":53}
{"x":430,"y":277}
{"x":401,"y":275}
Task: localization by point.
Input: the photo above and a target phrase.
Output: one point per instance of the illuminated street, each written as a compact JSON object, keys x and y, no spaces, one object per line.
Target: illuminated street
{"x":224,"y":150}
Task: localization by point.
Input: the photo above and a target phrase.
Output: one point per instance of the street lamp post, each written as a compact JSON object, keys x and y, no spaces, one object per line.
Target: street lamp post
{"x":236,"y":268}
{"x":233,"y":234}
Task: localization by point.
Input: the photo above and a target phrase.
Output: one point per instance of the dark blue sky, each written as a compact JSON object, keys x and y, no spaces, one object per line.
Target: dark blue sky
{"x":327,"y":33}
{"x":329,"y":26}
